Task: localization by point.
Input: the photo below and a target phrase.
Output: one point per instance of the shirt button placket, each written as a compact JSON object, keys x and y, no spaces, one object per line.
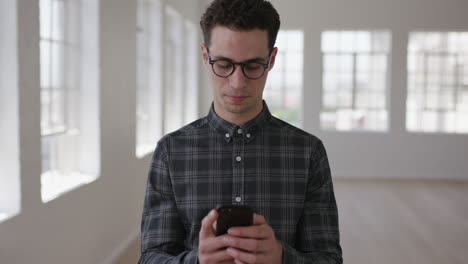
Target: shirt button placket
{"x":238,"y":167}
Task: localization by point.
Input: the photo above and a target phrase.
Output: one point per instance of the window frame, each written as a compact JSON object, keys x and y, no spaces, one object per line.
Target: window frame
{"x":10,"y":182}
{"x":429,"y":92}
{"x":65,"y":163}
{"x":355,"y":53}
{"x":278,"y":86}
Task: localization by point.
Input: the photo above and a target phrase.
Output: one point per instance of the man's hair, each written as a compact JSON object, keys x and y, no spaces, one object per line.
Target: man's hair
{"x":241,"y":15}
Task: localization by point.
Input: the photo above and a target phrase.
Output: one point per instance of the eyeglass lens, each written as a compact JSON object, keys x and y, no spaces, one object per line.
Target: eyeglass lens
{"x":252,"y":70}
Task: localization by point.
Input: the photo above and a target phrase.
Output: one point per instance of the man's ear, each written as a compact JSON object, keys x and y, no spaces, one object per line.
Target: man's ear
{"x":204,"y":52}
{"x":273,"y":57}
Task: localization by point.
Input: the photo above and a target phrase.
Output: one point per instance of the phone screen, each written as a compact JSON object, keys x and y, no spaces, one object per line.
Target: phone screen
{"x":230,"y":216}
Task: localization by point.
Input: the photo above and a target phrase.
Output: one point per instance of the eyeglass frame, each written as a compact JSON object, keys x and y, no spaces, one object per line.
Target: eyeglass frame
{"x":242,"y":64}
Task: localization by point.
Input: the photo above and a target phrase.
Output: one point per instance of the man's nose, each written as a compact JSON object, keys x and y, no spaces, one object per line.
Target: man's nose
{"x":238,"y":79}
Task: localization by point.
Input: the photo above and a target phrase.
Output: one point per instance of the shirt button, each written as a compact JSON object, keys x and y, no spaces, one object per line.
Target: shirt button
{"x":248,"y":135}
{"x":227,"y":135}
{"x":239,"y":158}
{"x":238,"y":199}
{"x":239,"y":131}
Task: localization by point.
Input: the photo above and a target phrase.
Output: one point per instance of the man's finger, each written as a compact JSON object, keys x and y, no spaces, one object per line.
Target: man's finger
{"x":239,"y":262}
{"x":214,"y":226}
{"x":259,"y":219}
{"x":211,"y":246}
{"x":243,"y":256}
{"x":255,"y":231}
{"x":245,"y":244}
{"x":220,"y":256}
{"x":206,"y":230}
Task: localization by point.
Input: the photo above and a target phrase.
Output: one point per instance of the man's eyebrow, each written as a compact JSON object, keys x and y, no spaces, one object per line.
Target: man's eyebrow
{"x":256,"y":59}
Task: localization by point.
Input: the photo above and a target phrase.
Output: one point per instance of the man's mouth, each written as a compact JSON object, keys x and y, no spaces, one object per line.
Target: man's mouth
{"x":236,"y":99}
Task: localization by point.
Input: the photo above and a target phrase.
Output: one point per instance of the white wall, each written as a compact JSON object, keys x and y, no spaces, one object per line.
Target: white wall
{"x":92,"y":223}
{"x":397,"y":153}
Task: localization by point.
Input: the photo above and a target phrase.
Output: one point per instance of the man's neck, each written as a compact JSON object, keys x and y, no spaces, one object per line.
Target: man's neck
{"x":236,"y":118}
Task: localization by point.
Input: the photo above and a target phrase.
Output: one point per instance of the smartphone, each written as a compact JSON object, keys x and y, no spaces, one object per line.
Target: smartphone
{"x":231,"y":215}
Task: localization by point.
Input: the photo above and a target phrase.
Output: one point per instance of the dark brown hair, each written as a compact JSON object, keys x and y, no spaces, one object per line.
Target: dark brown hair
{"x":241,"y":15}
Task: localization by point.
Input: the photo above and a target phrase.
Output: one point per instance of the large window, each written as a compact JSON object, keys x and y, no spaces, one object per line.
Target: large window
{"x":167,"y":70}
{"x":9,"y":127}
{"x":69,"y":95}
{"x":437,"y":82}
{"x":283,"y":91}
{"x":192,"y":61}
{"x":355,"y":80}
{"x":149,"y":72}
{"x":181,"y":71}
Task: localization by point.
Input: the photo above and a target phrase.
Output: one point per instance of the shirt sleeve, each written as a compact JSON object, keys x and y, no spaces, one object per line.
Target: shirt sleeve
{"x":162,"y":233}
{"x":318,"y":239}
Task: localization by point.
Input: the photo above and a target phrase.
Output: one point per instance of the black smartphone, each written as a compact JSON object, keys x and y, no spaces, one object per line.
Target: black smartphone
{"x":231,"y":215}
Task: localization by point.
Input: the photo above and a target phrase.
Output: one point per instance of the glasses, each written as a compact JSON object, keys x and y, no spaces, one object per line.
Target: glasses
{"x":251,"y":69}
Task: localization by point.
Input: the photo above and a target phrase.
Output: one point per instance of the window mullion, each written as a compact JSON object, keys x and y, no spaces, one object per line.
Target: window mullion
{"x":354,"y":82}
{"x":425,"y":81}
{"x":51,"y":75}
{"x":66,"y":61}
{"x":457,"y":85}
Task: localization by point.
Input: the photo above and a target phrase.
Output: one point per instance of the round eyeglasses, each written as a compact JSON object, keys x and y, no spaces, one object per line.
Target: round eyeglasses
{"x":251,"y":69}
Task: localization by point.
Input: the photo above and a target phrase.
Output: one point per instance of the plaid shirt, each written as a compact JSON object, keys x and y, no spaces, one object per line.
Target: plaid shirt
{"x":278,"y":170}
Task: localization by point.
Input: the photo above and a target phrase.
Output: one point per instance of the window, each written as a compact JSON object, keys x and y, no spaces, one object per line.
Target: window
{"x":355,"y":80}
{"x":69,"y":95}
{"x":191,"y":69}
{"x":9,"y":128}
{"x":149,"y":67}
{"x":174,"y":70}
{"x":437,"y":98}
{"x":283,"y":91}
{"x":181,"y":70}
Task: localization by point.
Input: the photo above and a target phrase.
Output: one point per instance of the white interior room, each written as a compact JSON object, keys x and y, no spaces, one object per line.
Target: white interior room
{"x":88,"y":87}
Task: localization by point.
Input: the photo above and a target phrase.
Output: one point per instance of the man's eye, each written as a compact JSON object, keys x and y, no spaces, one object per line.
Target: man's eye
{"x":252,"y":66}
{"x":223,"y":64}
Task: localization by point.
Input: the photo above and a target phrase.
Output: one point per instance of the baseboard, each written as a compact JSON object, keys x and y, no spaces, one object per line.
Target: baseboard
{"x":122,"y":247}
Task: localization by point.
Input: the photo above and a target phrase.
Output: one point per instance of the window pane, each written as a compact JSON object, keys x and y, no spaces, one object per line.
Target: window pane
{"x":149,"y":44}
{"x":45,"y":17}
{"x":437,"y":91}
{"x":174,"y":95}
{"x":57,"y":114}
{"x":46,"y":102}
{"x":330,"y":41}
{"x":283,"y":91}
{"x":355,"y":79}
{"x":69,"y":95}
{"x":58,"y":20}
{"x":45,"y":63}
{"x":57,"y":65}
{"x":10,"y":184}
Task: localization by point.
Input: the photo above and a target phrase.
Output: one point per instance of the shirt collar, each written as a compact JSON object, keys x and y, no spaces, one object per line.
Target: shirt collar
{"x":249,"y":130}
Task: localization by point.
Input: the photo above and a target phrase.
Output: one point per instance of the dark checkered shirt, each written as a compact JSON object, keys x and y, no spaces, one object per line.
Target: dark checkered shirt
{"x":278,"y":170}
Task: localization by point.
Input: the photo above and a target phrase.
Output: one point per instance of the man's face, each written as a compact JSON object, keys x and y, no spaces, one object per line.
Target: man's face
{"x":237,"y":98}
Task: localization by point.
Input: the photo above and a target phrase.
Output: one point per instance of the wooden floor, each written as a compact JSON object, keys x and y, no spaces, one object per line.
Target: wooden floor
{"x":407,"y":222}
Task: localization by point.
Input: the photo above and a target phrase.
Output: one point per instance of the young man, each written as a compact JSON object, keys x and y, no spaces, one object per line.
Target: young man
{"x":239,"y":154}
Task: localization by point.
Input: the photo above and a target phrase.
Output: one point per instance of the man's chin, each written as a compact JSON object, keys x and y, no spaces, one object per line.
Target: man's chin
{"x":236,"y":109}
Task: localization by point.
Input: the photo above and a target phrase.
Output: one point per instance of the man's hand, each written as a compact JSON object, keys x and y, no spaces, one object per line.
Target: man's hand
{"x":254,"y":244}
{"x":212,"y":249}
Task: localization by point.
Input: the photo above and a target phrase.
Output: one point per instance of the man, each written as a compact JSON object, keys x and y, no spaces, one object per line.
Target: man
{"x":239,"y":154}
